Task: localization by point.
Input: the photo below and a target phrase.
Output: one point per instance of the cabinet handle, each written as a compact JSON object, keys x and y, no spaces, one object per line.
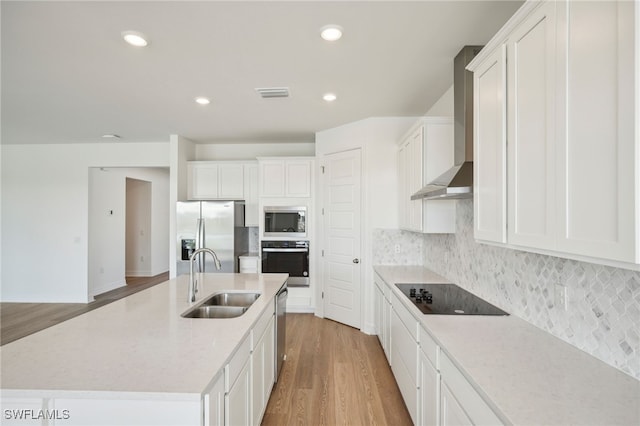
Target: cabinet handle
{"x":356,"y":260}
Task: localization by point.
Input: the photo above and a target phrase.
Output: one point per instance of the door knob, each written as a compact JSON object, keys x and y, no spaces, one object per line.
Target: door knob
{"x":356,"y":260}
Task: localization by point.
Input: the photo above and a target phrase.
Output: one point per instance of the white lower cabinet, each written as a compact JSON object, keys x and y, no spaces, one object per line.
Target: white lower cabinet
{"x":452,"y":413}
{"x":468,"y":399}
{"x":262,"y":365}
{"x":434,"y":390}
{"x":429,"y":381}
{"x":383,"y":315}
{"x":404,"y":356}
{"x":238,"y":399}
{"x":213,"y":403}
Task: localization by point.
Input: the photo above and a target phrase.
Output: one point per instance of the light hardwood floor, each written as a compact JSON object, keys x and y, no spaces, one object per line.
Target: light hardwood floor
{"x":18,"y":320}
{"x":333,"y":375}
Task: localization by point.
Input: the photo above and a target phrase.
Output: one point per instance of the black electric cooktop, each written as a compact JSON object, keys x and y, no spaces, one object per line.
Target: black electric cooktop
{"x":447,"y":299}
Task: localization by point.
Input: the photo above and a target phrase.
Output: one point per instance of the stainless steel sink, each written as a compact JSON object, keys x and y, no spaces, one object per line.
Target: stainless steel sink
{"x":232,"y":299}
{"x":222,"y":305}
{"x":215,"y":312}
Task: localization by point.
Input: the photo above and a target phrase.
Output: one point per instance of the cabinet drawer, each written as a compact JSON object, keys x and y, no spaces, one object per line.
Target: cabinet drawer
{"x":470,"y":400}
{"x":261,"y":325}
{"x":237,"y":362}
{"x":407,"y":319}
{"x":429,"y":347}
{"x":404,"y":363}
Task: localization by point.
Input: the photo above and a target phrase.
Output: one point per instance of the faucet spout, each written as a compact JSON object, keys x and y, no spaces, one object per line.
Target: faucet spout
{"x":193,"y":282}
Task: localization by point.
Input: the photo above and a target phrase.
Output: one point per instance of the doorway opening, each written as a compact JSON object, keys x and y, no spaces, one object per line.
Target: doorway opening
{"x":129,"y":214}
{"x":137,"y":228}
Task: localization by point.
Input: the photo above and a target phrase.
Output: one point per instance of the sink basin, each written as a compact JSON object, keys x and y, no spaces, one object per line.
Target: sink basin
{"x":232,"y":299}
{"x":215,"y":312}
{"x":222,"y":305}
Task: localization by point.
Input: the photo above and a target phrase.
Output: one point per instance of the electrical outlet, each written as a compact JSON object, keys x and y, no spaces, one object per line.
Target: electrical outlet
{"x":397,"y":248}
{"x":560,"y":296}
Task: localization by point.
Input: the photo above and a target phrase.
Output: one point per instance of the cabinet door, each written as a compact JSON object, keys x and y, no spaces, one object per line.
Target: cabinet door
{"x":231,"y":181}
{"x":404,"y":363}
{"x":429,"y":393}
{"x":272,"y":179}
{"x":403,"y":192}
{"x":251,"y":212}
{"x":298,"y":178}
{"x":414,"y":171}
{"x":202,"y":181}
{"x":452,"y":412}
{"x":598,"y":143}
{"x":214,"y":404}
{"x":489,"y":148}
{"x":269,"y":361}
{"x":377,"y":315}
{"x":238,"y":399}
{"x":257,"y":373}
{"x":531,"y":124}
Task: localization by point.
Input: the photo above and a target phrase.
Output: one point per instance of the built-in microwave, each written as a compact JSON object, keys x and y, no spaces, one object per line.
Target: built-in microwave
{"x":285,"y":221}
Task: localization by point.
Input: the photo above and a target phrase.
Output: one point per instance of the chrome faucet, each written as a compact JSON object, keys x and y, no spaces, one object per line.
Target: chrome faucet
{"x":193,"y":282}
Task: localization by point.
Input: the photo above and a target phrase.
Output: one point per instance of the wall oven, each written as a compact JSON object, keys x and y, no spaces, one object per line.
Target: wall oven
{"x":285,"y":221}
{"x":291,"y":257}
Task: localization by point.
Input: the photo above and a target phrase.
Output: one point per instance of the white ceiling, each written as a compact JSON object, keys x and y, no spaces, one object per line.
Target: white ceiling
{"x":67,"y":76}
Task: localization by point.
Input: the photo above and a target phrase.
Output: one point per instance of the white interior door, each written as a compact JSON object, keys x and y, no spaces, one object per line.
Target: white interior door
{"x":341,"y":260}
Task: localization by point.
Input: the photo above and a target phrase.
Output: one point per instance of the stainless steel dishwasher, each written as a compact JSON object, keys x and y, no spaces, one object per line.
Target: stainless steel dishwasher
{"x":281,"y":321}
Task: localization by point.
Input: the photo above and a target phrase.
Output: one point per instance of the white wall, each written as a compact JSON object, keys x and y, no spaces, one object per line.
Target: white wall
{"x":45,"y":197}
{"x":377,"y":138}
{"x":110,"y":256}
{"x":444,"y":106}
{"x":249,"y":151}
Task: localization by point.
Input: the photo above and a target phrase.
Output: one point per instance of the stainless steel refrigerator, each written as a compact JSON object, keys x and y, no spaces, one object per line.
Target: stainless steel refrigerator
{"x":218,"y":225}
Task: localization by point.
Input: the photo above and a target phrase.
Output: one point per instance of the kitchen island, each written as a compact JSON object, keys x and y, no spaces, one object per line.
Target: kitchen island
{"x":504,"y":369}
{"x":135,"y":356}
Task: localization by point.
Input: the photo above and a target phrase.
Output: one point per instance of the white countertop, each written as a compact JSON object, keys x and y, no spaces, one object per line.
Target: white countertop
{"x":530,"y":376}
{"x":139,"y":343}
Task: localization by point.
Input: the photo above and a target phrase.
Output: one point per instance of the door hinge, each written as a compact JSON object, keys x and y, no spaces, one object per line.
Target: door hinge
{"x":322,"y":168}
{"x":322,"y":253}
{"x":323,"y":211}
{"x":322,"y":297}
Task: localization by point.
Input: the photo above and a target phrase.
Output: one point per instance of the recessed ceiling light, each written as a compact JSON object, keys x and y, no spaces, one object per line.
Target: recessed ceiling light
{"x":202,"y":100}
{"x":111,"y":136}
{"x":135,"y":38}
{"x":329,"y":97}
{"x":331,"y":32}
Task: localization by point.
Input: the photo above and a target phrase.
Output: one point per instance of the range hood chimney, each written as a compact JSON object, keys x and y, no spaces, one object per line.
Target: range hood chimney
{"x":457,"y":182}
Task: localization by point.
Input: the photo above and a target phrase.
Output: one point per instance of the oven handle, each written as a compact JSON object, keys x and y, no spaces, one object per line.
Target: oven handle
{"x":285,"y":250}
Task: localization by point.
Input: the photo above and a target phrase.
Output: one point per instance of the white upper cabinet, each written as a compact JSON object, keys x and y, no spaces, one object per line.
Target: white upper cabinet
{"x":424,"y":154}
{"x":215,"y":180}
{"x":489,"y":148}
{"x":572,"y":119}
{"x":285,"y":177}
{"x":531,"y":130}
{"x":598,"y":162}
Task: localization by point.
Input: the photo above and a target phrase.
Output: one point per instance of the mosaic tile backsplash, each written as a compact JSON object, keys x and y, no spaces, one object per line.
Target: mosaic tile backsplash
{"x":603,"y":303}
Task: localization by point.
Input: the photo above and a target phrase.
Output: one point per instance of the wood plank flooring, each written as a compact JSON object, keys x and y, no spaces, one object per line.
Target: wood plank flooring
{"x":333,"y":375}
{"x":18,"y":320}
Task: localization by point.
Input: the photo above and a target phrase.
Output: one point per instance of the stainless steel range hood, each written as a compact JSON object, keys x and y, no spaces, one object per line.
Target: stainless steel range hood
{"x":457,"y":182}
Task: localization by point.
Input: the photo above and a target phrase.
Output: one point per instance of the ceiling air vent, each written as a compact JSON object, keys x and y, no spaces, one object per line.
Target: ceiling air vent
{"x":273,"y":92}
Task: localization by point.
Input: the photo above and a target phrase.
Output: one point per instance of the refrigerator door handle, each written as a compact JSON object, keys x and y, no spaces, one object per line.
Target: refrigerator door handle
{"x":202,"y":241}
